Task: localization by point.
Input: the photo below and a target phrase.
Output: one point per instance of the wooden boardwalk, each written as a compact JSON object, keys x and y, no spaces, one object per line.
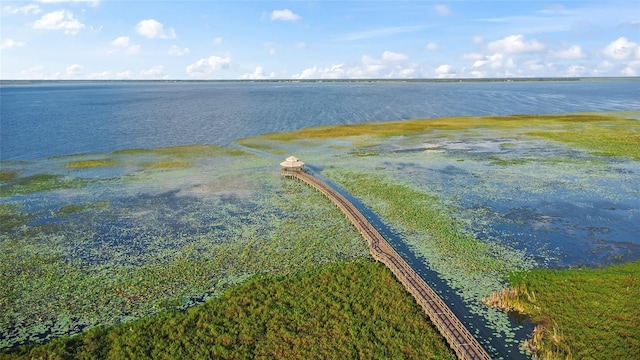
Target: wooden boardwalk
{"x":459,"y":338}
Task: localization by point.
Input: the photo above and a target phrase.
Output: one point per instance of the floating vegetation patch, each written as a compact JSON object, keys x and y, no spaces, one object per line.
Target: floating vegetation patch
{"x":38,"y":183}
{"x":167,"y":164}
{"x":7,"y":175}
{"x":93,"y":163}
{"x":76,"y":208}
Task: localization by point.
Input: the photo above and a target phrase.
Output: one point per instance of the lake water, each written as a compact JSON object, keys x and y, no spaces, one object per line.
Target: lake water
{"x":124,"y":210}
{"x":50,"y":119}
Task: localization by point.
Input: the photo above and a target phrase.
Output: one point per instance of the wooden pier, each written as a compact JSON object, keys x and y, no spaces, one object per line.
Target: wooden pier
{"x":456,"y":334}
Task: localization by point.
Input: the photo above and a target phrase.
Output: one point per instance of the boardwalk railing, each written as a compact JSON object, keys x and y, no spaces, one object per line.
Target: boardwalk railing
{"x":456,"y":334}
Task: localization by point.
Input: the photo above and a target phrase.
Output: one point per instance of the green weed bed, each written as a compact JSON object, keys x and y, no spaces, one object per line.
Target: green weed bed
{"x":344,"y":310}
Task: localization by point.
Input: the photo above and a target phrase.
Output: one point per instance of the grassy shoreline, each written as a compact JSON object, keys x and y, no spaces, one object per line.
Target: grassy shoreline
{"x":580,"y":313}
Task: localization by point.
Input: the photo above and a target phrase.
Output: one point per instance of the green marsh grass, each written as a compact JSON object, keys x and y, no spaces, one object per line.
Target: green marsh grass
{"x":338,"y":310}
{"x":580,"y":313}
{"x":184,"y":151}
{"x":39,"y":182}
{"x":602,"y":134}
{"x":93,"y":163}
{"x":76,"y":208}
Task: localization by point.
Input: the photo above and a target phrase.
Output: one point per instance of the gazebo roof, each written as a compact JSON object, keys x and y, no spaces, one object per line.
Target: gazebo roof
{"x":292,"y":162}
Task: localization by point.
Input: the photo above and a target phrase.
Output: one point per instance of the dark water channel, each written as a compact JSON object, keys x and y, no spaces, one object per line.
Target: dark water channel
{"x":496,"y":346}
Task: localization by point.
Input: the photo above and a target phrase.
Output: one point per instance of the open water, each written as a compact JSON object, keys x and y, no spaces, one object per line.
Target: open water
{"x":63,"y":118}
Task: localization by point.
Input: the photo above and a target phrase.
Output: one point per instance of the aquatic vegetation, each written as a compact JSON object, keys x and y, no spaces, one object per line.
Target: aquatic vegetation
{"x":580,"y":313}
{"x":474,"y":198}
{"x":125,"y":247}
{"x":338,"y":310}
{"x":7,"y":175}
{"x":167,"y":164}
{"x":11,"y":217}
{"x":76,"y":208}
{"x":92,"y":163}
{"x":38,"y":183}
{"x":606,"y":135}
{"x":184,"y":151}
{"x":607,"y":139}
{"x":472,"y":267}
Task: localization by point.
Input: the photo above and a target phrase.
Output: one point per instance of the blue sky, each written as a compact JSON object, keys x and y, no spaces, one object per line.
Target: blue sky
{"x":114,"y":39}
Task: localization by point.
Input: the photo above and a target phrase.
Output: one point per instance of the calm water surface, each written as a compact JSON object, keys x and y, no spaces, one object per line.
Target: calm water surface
{"x":69,"y":118}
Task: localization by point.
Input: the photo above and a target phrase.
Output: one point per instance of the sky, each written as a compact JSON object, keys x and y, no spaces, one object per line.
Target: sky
{"x":145,"y":39}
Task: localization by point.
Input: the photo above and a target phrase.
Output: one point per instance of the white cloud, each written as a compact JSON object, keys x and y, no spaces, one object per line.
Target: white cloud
{"x":110,"y":75}
{"x":337,"y":71}
{"x":622,"y":49}
{"x":389,"y":56}
{"x":175,"y":50}
{"x":445,"y":71}
{"x":477,"y":39}
{"x":10,"y":43}
{"x":121,"y":41}
{"x":272,"y":51}
{"x":154,"y":29}
{"x":514,"y":44}
{"x":33,"y":73}
{"x":497,"y":62}
{"x":576,"y":70}
{"x":153,"y":72}
{"x":534,"y":67}
{"x":432,"y":46}
{"x":24,"y":10}
{"x":389,"y":65}
{"x":442,"y":9}
{"x":632,"y":68}
{"x":284,"y":15}
{"x":473,"y":56}
{"x":74,"y":70}
{"x":125,"y":42}
{"x":205,"y":67}
{"x":133,"y":49}
{"x":258,"y":74}
{"x":301,"y":45}
{"x":59,"y":20}
{"x":572,"y":53}
{"x":217,"y":41}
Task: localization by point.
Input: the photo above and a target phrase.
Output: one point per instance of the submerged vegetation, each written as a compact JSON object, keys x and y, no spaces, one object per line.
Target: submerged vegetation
{"x":580,"y":313}
{"x":340,"y":310}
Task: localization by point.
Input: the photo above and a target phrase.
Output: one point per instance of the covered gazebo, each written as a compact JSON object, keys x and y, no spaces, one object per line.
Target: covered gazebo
{"x":291,"y":164}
